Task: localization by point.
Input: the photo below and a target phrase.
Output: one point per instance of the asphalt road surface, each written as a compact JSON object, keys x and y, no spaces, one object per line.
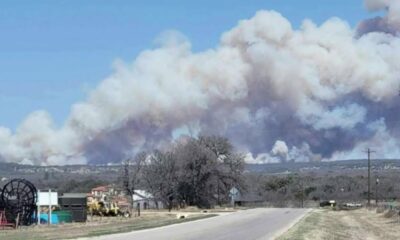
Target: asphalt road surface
{"x":261,"y":223}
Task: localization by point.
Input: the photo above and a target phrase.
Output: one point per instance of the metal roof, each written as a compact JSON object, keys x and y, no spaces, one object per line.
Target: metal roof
{"x":73,"y":195}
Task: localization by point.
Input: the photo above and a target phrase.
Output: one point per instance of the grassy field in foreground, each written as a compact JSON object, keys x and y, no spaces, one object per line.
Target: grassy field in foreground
{"x":90,"y":229}
{"x":359,"y":224}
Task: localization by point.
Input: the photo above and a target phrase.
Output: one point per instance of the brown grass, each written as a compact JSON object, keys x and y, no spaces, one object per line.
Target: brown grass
{"x":359,"y":224}
{"x":390,"y":213}
{"x":380,"y":210}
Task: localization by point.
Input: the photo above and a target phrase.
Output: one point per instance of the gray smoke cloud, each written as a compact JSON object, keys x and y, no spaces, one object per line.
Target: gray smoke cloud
{"x":281,"y":94}
{"x":390,"y":23}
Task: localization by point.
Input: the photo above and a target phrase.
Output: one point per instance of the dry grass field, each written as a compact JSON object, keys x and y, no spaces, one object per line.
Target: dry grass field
{"x":359,"y":224}
{"x":106,"y":225}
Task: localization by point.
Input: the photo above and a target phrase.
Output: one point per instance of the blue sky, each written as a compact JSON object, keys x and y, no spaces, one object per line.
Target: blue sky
{"x":53,"y":51}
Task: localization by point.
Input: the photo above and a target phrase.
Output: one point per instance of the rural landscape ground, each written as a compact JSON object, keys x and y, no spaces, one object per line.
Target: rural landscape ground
{"x":258,"y":223}
{"x":344,"y":181}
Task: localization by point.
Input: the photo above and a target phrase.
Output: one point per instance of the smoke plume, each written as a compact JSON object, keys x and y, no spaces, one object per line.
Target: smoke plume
{"x":390,"y":23}
{"x":320,"y":92}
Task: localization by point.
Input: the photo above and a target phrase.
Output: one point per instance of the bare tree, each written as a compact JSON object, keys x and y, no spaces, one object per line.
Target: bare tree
{"x":210,"y":170}
{"x":220,"y":146}
{"x":196,"y":172}
{"x":230,"y":165}
{"x":161,"y":177}
{"x":198,"y":164}
{"x":132,"y":175}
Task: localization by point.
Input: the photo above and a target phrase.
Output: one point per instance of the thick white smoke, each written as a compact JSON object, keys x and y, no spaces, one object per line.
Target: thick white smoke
{"x":281,"y":153}
{"x":319,"y":89}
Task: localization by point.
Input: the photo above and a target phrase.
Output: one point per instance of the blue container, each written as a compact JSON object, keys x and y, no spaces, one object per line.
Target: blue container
{"x":44,"y":218}
{"x":64,"y":216}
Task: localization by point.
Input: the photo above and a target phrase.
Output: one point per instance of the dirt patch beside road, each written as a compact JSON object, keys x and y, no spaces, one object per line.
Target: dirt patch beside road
{"x":359,"y":224}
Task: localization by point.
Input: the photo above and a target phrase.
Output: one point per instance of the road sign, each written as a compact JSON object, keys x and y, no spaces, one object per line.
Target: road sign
{"x":46,"y":198}
{"x":233,"y":192}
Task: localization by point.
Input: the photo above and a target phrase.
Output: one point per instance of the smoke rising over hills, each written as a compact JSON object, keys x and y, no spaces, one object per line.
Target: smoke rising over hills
{"x":278,"y":93}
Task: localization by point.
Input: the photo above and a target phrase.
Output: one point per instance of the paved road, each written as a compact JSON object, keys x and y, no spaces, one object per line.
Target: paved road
{"x":261,"y":223}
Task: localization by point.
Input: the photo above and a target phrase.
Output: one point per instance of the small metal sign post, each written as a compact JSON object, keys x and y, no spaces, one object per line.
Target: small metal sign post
{"x":49,"y":217}
{"x":233,"y":193}
{"x":38,"y":208}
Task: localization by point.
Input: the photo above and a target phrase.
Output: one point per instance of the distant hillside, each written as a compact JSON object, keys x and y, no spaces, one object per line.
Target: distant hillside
{"x":83,"y":177}
{"x":58,"y":176}
{"x":333,"y":166}
{"x":17,"y":170}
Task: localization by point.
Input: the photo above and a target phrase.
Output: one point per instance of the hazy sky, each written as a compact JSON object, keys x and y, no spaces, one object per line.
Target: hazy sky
{"x":53,"y":52}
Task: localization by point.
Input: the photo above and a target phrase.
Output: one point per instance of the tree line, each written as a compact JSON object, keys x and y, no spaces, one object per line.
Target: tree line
{"x":196,"y":172}
{"x":298,"y":188}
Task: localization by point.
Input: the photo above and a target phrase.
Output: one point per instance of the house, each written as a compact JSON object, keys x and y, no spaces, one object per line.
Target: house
{"x":99,"y":192}
{"x":105,"y":193}
{"x":145,"y":200}
{"x":114,"y":194}
{"x":108,"y":194}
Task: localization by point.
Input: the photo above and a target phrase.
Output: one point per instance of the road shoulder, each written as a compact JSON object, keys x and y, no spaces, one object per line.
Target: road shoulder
{"x":296,"y":221}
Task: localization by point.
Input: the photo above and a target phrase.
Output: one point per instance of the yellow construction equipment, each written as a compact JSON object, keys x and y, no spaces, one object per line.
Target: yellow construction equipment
{"x":102,"y":208}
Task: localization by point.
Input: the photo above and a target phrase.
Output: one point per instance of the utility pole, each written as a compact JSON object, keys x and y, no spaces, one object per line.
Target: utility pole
{"x":369,"y":176}
{"x":376,"y":191}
